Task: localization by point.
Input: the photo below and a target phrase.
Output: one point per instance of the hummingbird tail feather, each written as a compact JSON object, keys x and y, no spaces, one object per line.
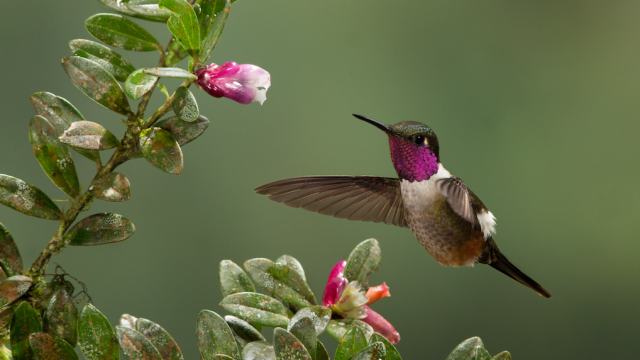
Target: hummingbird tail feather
{"x":499,"y":262}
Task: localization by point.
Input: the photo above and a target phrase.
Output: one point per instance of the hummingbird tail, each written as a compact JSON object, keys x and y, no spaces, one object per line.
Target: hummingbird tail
{"x":499,"y":262}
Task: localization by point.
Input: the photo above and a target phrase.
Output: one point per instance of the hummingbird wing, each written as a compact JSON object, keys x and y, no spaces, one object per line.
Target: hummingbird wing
{"x":458,"y":197}
{"x":365,"y":198}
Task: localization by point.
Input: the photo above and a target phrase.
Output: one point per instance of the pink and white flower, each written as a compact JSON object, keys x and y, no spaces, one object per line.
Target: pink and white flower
{"x":242,"y":83}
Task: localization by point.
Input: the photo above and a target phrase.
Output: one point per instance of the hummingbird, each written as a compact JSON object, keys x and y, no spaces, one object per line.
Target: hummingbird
{"x":446,"y":217}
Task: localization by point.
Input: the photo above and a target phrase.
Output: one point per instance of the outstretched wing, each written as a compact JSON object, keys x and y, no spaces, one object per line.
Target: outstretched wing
{"x":366,"y":198}
{"x":458,"y":197}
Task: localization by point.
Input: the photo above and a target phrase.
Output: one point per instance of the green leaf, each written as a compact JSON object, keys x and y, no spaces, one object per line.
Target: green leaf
{"x":212,"y":19}
{"x":362,"y":261}
{"x":293,"y":263}
{"x":287,"y":347}
{"x":215,"y":336}
{"x":280,"y":280}
{"x":233,"y":279}
{"x":467,"y":350}
{"x":170,"y":72}
{"x":10,"y":259}
{"x":160,"y":338}
{"x":163,"y":89}
{"x":27,"y":199}
{"x":61,"y":114}
{"x":120,"y":32}
{"x":13,"y":288}
{"x":97,"y":83}
{"x":120,"y":67}
{"x":321,"y":352}
{"x":25,"y":322}
{"x":100,"y":229}
{"x":337,"y":328}
{"x":258,"y":350}
{"x":502,"y":356}
{"x":351,"y":343}
{"x":184,"y":132}
{"x":54,"y":158}
{"x":96,"y":338}
{"x":318,"y":314}
{"x":482,"y":354}
{"x":243,"y":331}
{"x":60,"y":317}
{"x":114,"y":187}
{"x":47,"y":347}
{"x":141,"y":9}
{"x":138,"y":83}
{"x":175,"y":54}
{"x":374,"y":351}
{"x":256,"y":308}
{"x":185,"y":105}
{"x":161,"y":150}
{"x":136,"y":346}
{"x":392,"y":352}
{"x":304,"y":331}
{"x":89,"y":135}
{"x":183,"y":24}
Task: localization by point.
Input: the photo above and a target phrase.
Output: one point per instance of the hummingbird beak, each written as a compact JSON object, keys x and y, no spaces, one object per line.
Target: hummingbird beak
{"x":377,"y":124}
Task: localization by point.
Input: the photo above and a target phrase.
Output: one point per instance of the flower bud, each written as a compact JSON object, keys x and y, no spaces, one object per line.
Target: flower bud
{"x":377,"y":292}
{"x":242,"y":83}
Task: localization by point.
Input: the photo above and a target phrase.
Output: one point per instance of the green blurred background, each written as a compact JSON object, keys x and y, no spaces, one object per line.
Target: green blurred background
{"x":536,"y":107}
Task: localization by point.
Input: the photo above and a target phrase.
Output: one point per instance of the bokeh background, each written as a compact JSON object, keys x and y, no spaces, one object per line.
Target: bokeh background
{"x":536,"y":107}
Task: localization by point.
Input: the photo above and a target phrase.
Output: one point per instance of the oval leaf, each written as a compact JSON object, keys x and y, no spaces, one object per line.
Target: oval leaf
{"x":97,"y":83}
{"x":25,"y":322}
{"x":304,"y":331}
{"x":467,"y":350}
{"x":293,"y":263}
{"x":175,"y":54}
{"x":184,"y":132}
{"x":183,"y":24}
{"x":141,"y":9}
{"x":161,"y":150}
{"x":212,"y":18}
{"x":233,"y":279}
{"x":135,"y":346}
{"x":100,"y":229}
{"x":54,"y":158}
{"x":120,"y":32}
{"x":363,"y":260}
{"x":287,"y":347}
{"x":483,"y":354}
{"x":258,"y":350}
{"x":215,"y":336}
{"x":337,"y":328}
{"x":60,"y":317}
{"x":10,"y":259}
{"x":160,"y":338}
{"x":13,"y":288}
{"x":280,"y":280}
{"x":318,"y":314}
{"x":61,"y":114}
{"x":47,"y":347}
{"x":502,"y":356}
{"x":27,"y":199}
{"x":120,"y":66}
{"x":138,"y":83}
{"x":170,"y":72}
{"x":243,"y":331}
{"x":96,"y":338}
{"x":129,"y":321}
{"x":113,"y":187}
{"x":391,"y":351}
{"x":185,"y":105}
{"x":321,"y":352}
{"x":374,"y":351}
{"x":89,"y":135}
{"x":256,"y":308}
{"x":351,"y":343}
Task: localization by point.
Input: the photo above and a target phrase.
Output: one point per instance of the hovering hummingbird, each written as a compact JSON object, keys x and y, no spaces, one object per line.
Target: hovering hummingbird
{"x":446,"y":217}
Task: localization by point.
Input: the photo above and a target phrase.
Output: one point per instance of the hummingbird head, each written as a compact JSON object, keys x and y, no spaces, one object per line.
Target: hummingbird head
{"x":414,"y":148}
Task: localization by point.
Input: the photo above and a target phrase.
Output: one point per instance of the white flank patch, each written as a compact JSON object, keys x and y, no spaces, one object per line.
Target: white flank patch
{"x":417,"y":195}
{"x":487,"y":223}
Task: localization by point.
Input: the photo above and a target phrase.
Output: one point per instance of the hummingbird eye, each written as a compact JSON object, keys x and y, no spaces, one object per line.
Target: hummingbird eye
{"x":419,"y":140}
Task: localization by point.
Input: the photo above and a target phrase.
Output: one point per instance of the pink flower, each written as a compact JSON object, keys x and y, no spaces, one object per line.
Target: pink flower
{"x":242,"y":83}
{"x":346,"y":299}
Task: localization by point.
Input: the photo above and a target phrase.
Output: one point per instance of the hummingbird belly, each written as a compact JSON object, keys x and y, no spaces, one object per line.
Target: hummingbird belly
{"x":449,"y":238}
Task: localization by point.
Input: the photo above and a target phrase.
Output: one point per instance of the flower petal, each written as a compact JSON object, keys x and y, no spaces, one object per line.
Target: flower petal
{"x":381,"y":325}
{"x":377,"y":292}
{"x":242,"y":83}
{"x":333,"y":290}
{"x":338,"y":270}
